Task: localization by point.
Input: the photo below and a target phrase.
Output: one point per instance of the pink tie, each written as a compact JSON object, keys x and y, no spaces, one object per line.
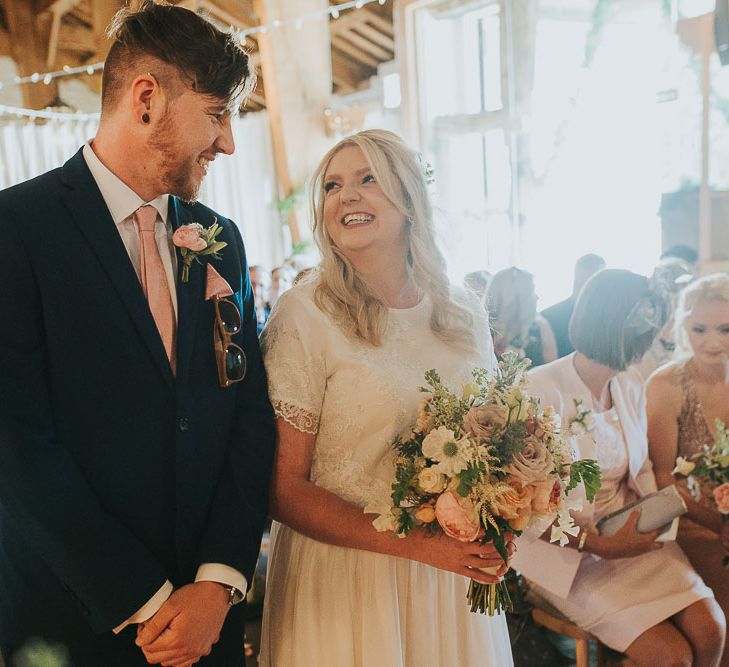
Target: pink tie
{"x":154,"y":280}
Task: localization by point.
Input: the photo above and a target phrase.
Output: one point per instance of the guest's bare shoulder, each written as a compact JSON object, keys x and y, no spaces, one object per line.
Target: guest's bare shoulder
{"x":664,"y":387}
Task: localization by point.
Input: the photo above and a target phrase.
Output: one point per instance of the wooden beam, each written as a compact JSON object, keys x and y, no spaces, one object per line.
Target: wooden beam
{"x":28,"y":48}
{"x":366,"y":46}
{"x":73,"y":37}
{"x":345,"y":75}
{"x":102,"y":11}
{"x":273,"y":104}
{"x":375,"y":36}
{"x":345,"y":47}
{"x":381,"y":24}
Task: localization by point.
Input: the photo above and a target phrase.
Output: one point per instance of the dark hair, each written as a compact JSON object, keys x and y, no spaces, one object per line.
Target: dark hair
{"x":194,"y":48}
{"x":616,"y":318}
{"x":684,"y":252}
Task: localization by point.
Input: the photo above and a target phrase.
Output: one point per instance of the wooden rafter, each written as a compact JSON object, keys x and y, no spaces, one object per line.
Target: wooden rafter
{"x":28,"y":46}
{"x":72,"y":32}
{"x":341,"y":44}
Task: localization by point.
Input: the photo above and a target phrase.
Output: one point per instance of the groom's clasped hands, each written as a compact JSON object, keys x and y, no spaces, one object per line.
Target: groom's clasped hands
{"x":186,"y":626}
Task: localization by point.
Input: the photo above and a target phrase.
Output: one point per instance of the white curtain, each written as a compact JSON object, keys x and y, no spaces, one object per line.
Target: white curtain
{"x":241,"y":187}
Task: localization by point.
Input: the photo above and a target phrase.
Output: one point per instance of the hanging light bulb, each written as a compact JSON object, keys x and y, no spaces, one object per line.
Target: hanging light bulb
{"x":335,"y":13}
{"x":47,"y":78}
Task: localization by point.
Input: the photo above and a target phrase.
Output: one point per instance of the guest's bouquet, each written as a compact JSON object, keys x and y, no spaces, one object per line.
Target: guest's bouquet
{"x":484,"y":464}
{"x":711,"y":468}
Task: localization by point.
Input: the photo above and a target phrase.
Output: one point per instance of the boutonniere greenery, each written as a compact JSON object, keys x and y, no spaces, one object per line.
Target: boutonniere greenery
{"x":195,"y":241}
{"x":583,"y":422}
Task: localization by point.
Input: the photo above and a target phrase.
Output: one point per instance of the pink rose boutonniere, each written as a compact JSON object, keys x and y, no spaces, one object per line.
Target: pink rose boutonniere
{"x":195,"y":241}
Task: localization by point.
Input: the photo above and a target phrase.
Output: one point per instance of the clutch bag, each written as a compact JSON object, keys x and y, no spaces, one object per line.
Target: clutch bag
{"x":658,"y":510}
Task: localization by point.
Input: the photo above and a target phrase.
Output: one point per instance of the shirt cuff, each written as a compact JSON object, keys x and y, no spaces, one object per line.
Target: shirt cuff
{"x":222,"y":574}
{"x":149,"y":609}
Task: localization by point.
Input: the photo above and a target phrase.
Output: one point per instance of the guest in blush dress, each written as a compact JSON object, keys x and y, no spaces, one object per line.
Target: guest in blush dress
{"x":636,"y":595}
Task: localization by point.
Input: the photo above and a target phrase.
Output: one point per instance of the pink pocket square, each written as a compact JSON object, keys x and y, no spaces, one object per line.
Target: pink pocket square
{"x":215,"y":284}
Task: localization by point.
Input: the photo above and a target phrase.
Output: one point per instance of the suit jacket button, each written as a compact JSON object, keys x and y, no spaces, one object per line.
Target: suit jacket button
{"x":183,"y":424}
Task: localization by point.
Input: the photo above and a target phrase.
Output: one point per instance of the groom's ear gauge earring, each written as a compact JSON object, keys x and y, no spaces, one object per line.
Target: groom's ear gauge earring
{"x":145,"y":118}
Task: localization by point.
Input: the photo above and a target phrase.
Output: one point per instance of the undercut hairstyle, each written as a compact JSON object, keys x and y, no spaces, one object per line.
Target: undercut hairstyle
{"x":616,"y":318}
{"x":210,"y":61}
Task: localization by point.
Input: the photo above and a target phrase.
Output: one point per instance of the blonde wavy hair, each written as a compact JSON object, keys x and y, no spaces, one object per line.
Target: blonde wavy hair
{"x":714,"y":287}
{"x":342,"y":292}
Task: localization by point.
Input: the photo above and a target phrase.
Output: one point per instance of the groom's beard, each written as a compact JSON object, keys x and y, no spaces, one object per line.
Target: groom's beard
{"x":176,"y":173}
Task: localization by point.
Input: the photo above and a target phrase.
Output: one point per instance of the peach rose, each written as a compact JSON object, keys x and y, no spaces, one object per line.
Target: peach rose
{"x":546,"y":496}
{"x":425,"y":513}
{"x":531,"y":464}
{"x":188,"y":236}
{"x":721,"y":495}
{"x":515,"y":505}
{"x":483,"y":420}
{"x":457,"y":517}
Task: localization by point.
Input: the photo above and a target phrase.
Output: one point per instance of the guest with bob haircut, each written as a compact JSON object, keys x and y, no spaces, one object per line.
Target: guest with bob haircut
{"x":636,"y":595}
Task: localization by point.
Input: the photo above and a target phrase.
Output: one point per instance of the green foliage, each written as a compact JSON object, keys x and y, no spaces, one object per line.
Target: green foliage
{"x":405,"y":523}
{"x":470,"y":477}
{"x":404,"y":474}
{"x":289,"y":203}
{"x":587,"y":471}
{"x":448,"y":409}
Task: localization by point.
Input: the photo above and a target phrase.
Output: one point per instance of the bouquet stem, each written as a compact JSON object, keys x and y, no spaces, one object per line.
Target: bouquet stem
{"x":489,"y":598}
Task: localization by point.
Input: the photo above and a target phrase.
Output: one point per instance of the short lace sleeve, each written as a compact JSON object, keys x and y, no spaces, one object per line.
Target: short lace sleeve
{"x":293,"y":351}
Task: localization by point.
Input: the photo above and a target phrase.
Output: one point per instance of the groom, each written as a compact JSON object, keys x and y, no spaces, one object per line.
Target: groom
{"x":135,"y":452}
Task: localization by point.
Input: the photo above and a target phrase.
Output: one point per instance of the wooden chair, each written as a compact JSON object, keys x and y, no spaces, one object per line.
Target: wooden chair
{"x":554,"y":621}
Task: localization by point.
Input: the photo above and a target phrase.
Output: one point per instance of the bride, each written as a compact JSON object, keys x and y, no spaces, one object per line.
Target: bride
{"x":345,"y":353}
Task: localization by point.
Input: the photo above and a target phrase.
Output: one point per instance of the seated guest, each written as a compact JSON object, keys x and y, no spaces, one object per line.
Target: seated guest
{"x":684,"y":399}
{"x":559,"y":314}
{"x":634,"y":594}
{"x":684,"y":252}
{"x":261,"y":283}
{"x":282,"y":278}
{"x":512,"y":304}
{"x":670,"y":276}
{"x":477,"y":282}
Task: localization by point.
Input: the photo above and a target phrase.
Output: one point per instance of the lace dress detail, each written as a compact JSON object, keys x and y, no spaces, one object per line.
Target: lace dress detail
{"x":328,"y":605}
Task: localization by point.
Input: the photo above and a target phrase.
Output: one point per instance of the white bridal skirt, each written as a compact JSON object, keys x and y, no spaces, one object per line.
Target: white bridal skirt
{"x":328,"y":606}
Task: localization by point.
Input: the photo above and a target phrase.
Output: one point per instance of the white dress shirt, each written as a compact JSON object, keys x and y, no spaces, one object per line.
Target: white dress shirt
{"x":122,"y":202}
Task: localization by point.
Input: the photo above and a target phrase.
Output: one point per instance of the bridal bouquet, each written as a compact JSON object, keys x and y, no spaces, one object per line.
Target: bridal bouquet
{"x":482,"y":465}
{"x":711,"y":468}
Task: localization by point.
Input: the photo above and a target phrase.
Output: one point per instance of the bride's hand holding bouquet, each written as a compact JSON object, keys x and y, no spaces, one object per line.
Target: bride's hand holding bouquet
{"x":478,"y":469}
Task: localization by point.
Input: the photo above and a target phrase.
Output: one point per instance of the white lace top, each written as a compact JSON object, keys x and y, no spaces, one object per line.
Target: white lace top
{"x":355,"y":397}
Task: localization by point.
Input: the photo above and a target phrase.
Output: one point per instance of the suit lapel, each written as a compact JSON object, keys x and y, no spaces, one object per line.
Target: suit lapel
{"x":90,"y":213}
{"x":190,"y":295}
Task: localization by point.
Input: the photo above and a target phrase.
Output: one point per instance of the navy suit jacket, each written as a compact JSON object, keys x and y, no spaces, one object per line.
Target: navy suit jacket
{"x":114,"y":474}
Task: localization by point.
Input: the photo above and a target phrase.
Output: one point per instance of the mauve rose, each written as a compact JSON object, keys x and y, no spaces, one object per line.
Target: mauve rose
{"x":457,"y":517}
{"x":532,"y":464}
{"x":483,"y":420}
{"x":188,"y":236}
{"x":721,"y":495}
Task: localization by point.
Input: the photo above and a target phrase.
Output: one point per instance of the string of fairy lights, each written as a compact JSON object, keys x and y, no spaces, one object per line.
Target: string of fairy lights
{"x":333,"y":11}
